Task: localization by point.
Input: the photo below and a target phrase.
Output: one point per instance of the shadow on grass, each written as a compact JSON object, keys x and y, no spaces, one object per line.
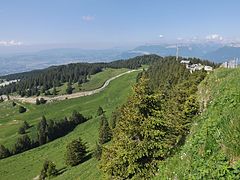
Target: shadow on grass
{"x":87,"y":157}
{"x":62,"y":170}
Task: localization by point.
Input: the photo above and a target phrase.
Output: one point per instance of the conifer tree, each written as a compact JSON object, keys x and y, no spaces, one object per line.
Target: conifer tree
{"x":100,"y":111}
{"x":77,"y":118}
{"x":42,"y":101}
{"x":76,"y":152}
{"x":22,"y":109}
{"x":98,"y":151}
{"x":54,"y":91}
{"x":113,"y":120}
{"x":38,"y":102}
{"x":14,"y":104}
{"x":141,"y":138}
{"x":26,"y":125}
{"x":49,"y":170}
{"x":105,"y":133}
{"x":1,"y":99}
{"x":21,"y":130}
{"x":42,"y":131}
{"x":23,"y":143}
{"x":4,"y":152}
{"x":69,"y":89}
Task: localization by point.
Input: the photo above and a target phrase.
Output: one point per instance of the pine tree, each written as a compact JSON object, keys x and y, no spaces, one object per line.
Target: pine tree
{"x":26,"y":125}
{"x":98,"y":151}
{"x":76,"y":152}
{"x":42,"y":131}
{"x":113,"y":120}
{"x":105,"y":133}
{"x":100,"y":111}
{"x":4,"y":152}
{"x":23,"y":143}
{"x":48,"y":170}
{"x":22,"y":109}
{"x":141,"y":138}
{"x":42,"y":101}
{"x":38,"y":102}
{"x":51,"y":131}
{"x":21,"y":130}
{"x":77,"y":118}
{"x":1,"y":99}
{"x":47,"y":93}
{"x":38,"y":93}
{"x":69,"y":89}
{"x":54,"y":91}
{"x":14,"y":104}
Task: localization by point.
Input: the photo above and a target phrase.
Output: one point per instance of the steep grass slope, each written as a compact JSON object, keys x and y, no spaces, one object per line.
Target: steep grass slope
{"x":212,"y":149}
{"x":11,"y":119}
{"x":28,"y":165}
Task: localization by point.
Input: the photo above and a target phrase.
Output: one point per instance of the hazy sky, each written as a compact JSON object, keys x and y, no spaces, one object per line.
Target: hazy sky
{"x":117,"y":22}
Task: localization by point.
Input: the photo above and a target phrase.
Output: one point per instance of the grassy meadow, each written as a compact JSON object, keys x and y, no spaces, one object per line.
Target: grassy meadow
{"x":28,"y":164}
{"x":11,"y":120}
{"x":95,"y":81}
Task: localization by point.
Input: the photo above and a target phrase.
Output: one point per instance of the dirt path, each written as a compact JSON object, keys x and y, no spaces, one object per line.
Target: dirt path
{"x":32,"y":100}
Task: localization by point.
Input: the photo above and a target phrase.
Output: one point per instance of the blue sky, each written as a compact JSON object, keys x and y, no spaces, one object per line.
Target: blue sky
{"x":110,"y":23}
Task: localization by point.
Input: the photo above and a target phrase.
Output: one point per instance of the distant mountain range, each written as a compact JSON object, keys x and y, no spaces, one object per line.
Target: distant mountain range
{"x":213,"y":52}
{"x":186,"y":50}
{"x":223,"y":53}
{"x":28,"y":61}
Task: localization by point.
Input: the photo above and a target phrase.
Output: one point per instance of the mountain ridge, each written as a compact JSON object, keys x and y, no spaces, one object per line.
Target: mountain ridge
{"x":57,"y":56}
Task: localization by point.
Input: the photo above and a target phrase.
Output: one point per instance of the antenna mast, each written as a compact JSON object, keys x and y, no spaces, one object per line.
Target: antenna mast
{"x":177,"y":54}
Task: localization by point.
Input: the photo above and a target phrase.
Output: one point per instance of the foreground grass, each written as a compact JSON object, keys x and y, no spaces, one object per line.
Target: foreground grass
{"x":28,"y":165}
{"x":212,"y":150}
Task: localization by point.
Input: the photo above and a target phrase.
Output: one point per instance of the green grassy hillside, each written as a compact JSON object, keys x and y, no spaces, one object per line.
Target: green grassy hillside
{"x":212,"y":149}
{"x":28,"y":165}
{"x":94,"y":82}
{"x":10,"y":119}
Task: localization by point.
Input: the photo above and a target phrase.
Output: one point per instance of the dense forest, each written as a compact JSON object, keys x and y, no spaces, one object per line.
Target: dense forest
{"x":154,"y":122}
{"x":40,"y":81}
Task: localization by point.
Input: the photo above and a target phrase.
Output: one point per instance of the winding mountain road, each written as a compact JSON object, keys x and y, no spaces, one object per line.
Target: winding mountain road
{"x":32,"y":100}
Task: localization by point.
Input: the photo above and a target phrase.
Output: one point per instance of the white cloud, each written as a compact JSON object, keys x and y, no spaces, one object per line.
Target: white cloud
{"x":10,"y":43}
{"x":214,"y":37}
{"x":88,"y":18}
{"x":180,"y":39}
{"x":171,"y":46}
{"x":161,"y":36}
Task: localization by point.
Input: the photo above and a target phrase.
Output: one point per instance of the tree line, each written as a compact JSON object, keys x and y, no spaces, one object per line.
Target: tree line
{"x":47,"y":130}
{"x":40,"y":81}
{"x":154,"y":121}
{"x":77,"y":150}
